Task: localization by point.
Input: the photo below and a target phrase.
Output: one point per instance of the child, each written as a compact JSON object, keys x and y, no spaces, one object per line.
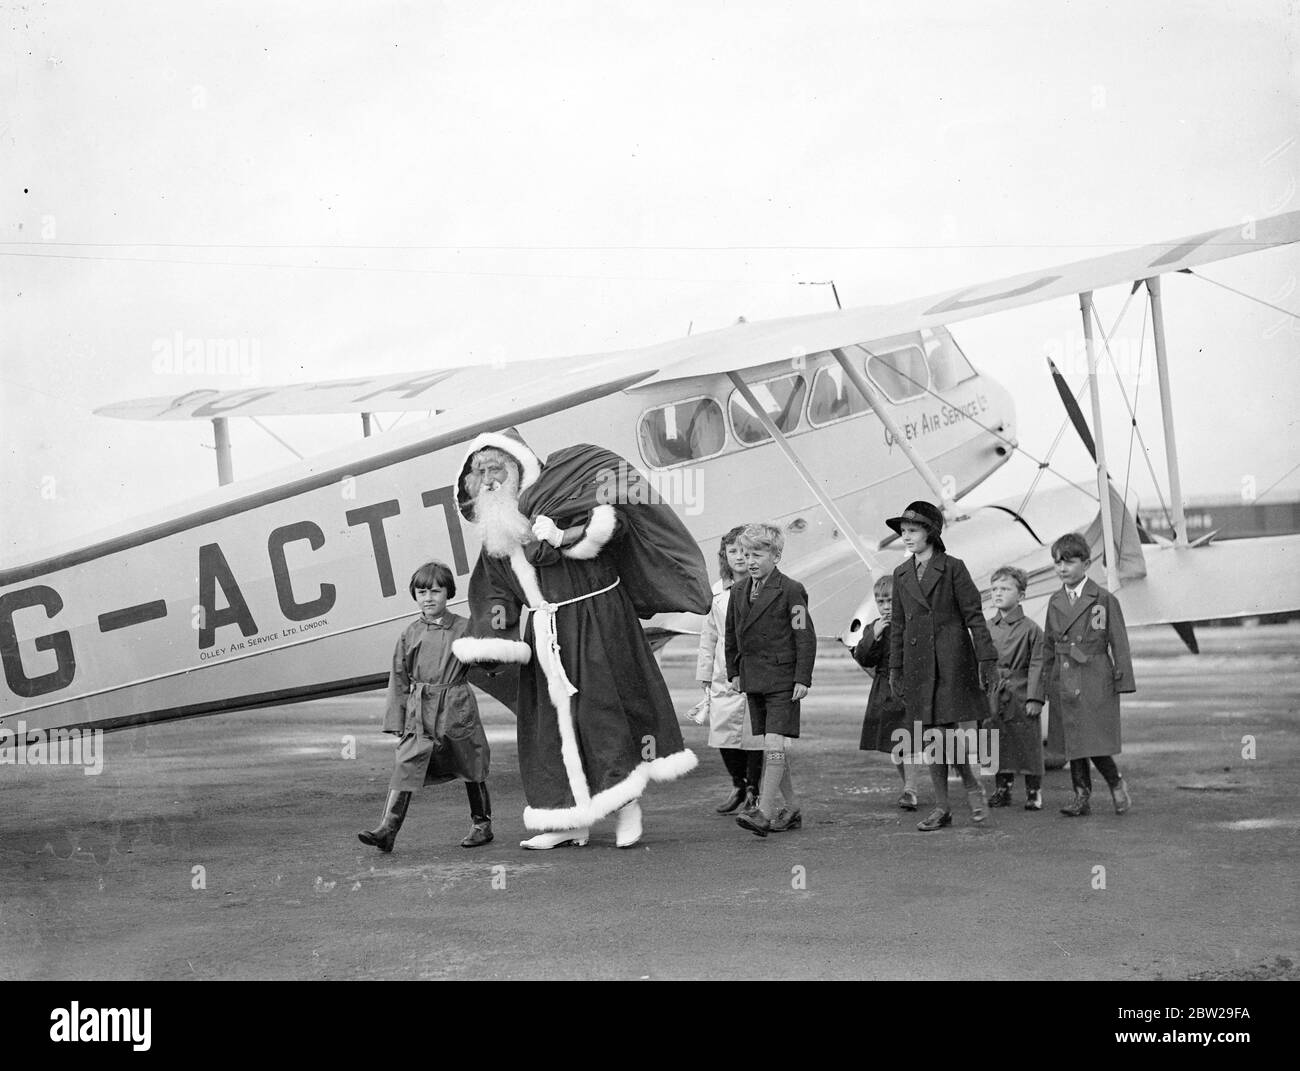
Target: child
{"x":932,"y":660}
{"x":771,"y":648}
{"x":742,"y":751}
{"x":1016,"y":702}
{"x":432,"y":708}
{"x":1086,"y":665}
{"x":885,"y":713}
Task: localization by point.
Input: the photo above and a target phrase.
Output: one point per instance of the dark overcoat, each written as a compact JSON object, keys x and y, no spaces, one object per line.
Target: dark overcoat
{"x":1019,"y":642}
{"x":1087,"y":665}
{"x":937,"y":637}
{"x":885,"y":712}
{"x":771,"y":644}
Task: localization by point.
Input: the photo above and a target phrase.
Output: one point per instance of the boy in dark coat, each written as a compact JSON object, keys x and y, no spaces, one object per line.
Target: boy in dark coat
{"x":1016,"y":703}
{"x":1087,"y":665}
{"x":885,"y":713}
{"x":431,"y":706}
{"x":941,"y":659}
{"x":771,"y":648}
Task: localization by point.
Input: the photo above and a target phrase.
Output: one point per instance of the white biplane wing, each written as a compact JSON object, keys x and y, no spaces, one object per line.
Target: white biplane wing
{"x":728,"y":349}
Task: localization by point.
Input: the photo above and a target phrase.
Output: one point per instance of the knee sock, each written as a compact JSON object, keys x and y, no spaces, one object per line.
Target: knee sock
{"x":1080,"y":777}
{"x":1107,"y":768}
{"x":753,"y":769}
{"x":734,"y":760}
{"x":939,"y":779}
{"x":969,"y":777}
{"x":911,"y":776}
{"x":787,"y":786}
{"x":773,"y":775}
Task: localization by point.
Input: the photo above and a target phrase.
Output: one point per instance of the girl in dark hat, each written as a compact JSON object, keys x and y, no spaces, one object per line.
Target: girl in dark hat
{"x":941,"y":657}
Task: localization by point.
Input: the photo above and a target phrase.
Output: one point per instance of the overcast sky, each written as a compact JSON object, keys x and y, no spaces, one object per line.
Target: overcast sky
{"x":382,"y":187}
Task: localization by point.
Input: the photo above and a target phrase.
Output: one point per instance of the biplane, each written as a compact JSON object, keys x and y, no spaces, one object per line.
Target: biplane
{"x":289,"y":585}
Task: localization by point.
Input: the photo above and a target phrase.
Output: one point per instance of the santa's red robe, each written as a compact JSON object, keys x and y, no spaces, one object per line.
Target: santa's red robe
{"x":596,"y":723}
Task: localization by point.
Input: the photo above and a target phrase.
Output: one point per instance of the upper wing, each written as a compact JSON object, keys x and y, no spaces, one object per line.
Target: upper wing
{"x":743,"y":345}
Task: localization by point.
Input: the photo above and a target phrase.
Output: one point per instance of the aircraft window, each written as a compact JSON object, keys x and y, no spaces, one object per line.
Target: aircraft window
{"x":684,"y":431}
{"x":781,"y":398}
{"x":948,"y":365}
{"x":901,"y":374}
{"x":834,"y":397}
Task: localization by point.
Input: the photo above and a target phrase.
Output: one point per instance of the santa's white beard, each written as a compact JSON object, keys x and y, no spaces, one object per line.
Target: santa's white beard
{"x":504,"y":528}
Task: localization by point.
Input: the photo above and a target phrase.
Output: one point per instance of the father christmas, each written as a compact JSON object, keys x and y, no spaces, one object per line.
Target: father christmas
{"x":584,"y":543}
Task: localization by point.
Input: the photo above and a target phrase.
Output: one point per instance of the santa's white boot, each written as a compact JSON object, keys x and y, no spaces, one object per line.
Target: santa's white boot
{"x":628,"y":830}
{"x":576,"y":837}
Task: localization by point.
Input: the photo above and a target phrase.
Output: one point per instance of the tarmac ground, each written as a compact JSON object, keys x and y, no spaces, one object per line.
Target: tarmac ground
{"x":225,"y":847}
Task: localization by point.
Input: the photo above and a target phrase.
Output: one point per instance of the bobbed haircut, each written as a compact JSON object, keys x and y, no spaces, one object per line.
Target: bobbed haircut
{"x":884,"y":585}
{"x":1017,"y":576}
{"x":730,"y":539}
{"x":433,"y":575}
{"x":763,"y":537}
{"x":1071,"y":545}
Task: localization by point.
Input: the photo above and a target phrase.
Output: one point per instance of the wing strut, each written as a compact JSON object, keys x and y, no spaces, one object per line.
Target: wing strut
{"x":868,"y":556}
{"x":881,"y":408}
{"x":1103,"y":477}
{"x":221,"y":441}
{"x":1167,"y":410}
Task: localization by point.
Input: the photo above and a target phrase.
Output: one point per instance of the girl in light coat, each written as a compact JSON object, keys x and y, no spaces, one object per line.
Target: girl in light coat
{"x":729,"y":732}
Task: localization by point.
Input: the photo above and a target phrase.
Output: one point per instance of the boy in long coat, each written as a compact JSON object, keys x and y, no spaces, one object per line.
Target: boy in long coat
{"x":1016,"y":702}
{"x":941,"y":658}
{"x":1087,"y":665}
{"x":886,"y":713}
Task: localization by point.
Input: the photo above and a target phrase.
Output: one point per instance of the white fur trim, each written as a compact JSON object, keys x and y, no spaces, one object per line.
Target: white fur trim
{"x":470,"y":649}
{"x":528,"y":461}
{"x":603,"y":804}
{"x":599,"y":531}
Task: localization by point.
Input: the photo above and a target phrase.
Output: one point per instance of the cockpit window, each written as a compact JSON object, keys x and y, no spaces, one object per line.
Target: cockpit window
{"x":834,"y":397}
{"x":901,"y":374}
{"x":684,"y":431}
{"x":948,"y":365}
{"x":781,"y":398}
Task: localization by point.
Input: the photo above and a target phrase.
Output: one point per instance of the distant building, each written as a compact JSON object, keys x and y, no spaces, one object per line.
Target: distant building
{"x":1230,"y":517}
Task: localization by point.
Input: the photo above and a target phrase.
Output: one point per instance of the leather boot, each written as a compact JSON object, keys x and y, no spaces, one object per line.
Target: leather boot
{"x":385,"y":833}
{"x":480,"y":812}
{"x":733,"y":801}
{"x":1079,"y":807}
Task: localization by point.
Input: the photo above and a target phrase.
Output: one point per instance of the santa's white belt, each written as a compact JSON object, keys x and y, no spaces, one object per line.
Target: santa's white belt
{"x":548,"y":643}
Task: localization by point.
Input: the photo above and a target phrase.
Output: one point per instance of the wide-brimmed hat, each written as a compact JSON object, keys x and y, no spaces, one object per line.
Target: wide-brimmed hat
{"x":926,"y":514}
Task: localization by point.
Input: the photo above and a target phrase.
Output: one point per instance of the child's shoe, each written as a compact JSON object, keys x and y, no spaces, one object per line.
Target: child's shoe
{"x":1079,"y":806}
{"x":975,"y":797}
{"x":936,"y":819}
{"x":1121,"y":797}
{"x":756,"y":822}
{"x":786,"y":819}
{"x":1034,"y":799}
{"x":908,"y":801}
{"x":1002,"y":797}
{"x":383,"y":835}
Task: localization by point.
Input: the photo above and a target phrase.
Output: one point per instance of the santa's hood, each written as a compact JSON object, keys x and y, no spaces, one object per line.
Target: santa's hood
{"x":508,"y":441}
